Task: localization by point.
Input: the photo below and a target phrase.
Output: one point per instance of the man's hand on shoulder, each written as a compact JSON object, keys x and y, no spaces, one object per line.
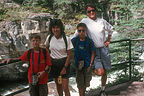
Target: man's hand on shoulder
{"x":106,"y":43}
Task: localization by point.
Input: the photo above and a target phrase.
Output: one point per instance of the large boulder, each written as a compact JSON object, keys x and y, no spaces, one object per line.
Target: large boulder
{"x":13,"y":71}
{"x":14,"y":41}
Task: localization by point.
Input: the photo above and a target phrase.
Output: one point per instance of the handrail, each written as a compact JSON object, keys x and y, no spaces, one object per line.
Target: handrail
{"x":139,"y":39}
{"x":120,"y":40}
{"x":124,"y":63}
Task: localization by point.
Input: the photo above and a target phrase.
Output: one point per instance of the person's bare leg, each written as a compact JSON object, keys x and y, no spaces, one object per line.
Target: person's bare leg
{"x":59,"y":87}
{"x":65,"y":86}
{"x":104,"y":80}
{"x":82,"y":91}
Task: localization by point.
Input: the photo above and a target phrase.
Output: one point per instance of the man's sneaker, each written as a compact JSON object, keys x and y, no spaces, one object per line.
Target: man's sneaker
{"x":102,"y":93}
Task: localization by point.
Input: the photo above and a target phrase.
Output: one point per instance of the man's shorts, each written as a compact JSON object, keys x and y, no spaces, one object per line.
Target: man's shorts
{"x":42,"y":89}
{"x":102,"y":58}
{"x":83,"y":78}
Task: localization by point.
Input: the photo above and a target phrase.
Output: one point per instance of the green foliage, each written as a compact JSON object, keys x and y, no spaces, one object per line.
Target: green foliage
{"x":63,"y":9}
{"x":59,"y":2}
{"x":136,"y":75}
{"x":3,"y":12}
{"x":130,"y":17}
{"x":18,"y":1}
{"x":67,"y":9}
{"x":45,"y":3}
{"x":121,"y":77}
{"x":34,"y":3}
{"x":128,"y":11}
{"x":80,"y":16}
{"x":119,"y":52}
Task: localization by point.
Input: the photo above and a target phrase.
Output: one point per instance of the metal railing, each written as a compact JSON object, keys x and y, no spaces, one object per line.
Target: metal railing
{"x":126,"y":62}
{"x":128,"y":58}
{"x":119,"y":43}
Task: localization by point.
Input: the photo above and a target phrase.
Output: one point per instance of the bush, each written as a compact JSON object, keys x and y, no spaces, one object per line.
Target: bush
{"x":3,"y":12}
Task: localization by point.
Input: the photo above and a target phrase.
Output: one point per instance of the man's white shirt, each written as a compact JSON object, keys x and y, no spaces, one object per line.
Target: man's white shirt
{"x":97,"y":30}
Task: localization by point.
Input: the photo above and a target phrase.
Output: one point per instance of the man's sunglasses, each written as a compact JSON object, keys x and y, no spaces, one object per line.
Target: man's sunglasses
{"x":81,"y":30}
{"x":91,"y":10}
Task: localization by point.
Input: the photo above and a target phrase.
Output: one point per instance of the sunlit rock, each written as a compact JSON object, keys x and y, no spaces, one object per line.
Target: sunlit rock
{"x":14,"y":41}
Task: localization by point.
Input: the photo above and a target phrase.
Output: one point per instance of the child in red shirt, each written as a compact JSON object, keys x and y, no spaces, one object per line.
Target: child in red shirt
{"x":38,"y":67}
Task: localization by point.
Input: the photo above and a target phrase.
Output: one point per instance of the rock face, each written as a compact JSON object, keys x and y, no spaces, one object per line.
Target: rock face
{"x":15,"y":35}
{"x":13,"y":72}
{"x":14,"y":40}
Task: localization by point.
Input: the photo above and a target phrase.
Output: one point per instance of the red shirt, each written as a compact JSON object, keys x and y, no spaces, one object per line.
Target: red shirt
{"x":44,"y":78}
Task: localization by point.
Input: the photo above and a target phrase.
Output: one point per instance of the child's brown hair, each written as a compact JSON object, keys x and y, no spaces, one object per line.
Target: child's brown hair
{"x":34,"y":35}
{"x":81,"y":25}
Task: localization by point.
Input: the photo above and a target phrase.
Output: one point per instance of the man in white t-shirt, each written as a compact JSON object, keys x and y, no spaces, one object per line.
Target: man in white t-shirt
{"x":97,"y":29}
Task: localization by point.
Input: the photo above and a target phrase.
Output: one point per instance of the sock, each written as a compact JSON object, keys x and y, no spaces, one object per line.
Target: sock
{"x":103,"y":88}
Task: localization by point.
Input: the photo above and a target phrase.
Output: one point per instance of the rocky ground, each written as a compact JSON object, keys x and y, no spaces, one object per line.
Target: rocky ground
{"x":125,"y":89}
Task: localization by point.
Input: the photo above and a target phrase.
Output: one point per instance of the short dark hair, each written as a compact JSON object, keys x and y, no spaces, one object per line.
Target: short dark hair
{"x":91,"y":5}
{"x":81,"y":25}
{"x":34,"y":35}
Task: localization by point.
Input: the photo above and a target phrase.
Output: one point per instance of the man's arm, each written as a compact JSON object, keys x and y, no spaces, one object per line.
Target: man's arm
{"x":92,"y":58}
{"x":107,"y":42}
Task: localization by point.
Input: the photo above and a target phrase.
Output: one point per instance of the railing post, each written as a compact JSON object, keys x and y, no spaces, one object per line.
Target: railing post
{"x":130,"y":65}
